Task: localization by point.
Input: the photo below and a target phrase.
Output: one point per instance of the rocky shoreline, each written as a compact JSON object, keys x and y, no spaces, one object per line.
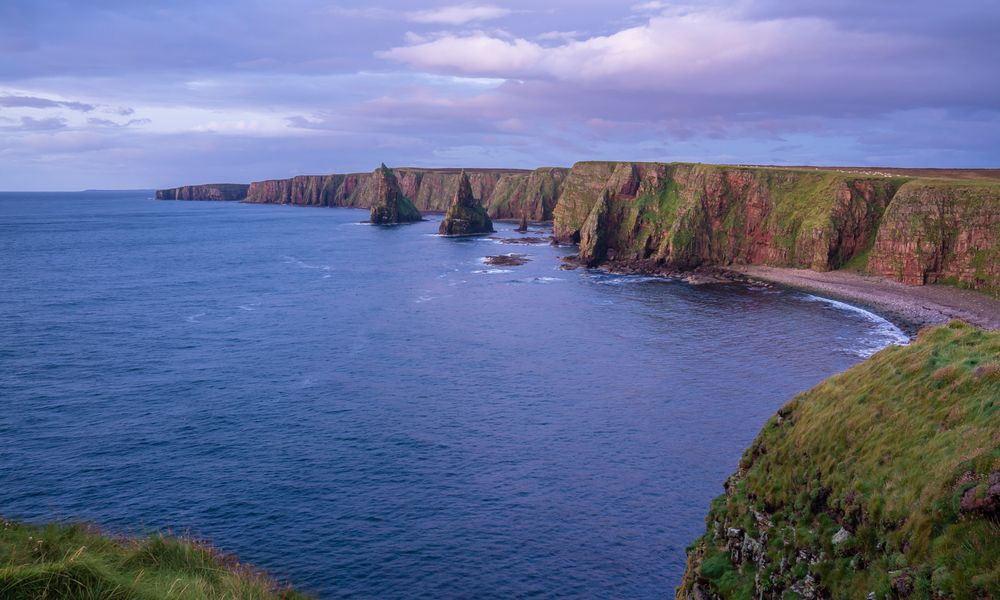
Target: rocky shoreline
{"x":909,"y":307}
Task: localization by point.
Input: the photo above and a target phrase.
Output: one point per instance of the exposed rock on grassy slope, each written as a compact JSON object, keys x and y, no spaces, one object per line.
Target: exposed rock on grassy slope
{"x":881,"y":482}
{"x":70,"y":562}
{"x":465,"y":216}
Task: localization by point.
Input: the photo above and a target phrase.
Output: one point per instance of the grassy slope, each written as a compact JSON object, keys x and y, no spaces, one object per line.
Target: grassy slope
{"x":73,"y":562}
{"x":885,"y":450}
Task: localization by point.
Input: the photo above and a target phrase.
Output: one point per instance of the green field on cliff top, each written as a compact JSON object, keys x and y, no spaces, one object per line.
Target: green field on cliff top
{"x":74,"y":562}
{"x":884,"y":479}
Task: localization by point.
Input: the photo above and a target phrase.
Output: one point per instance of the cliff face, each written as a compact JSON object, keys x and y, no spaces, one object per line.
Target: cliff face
{"x":505,"y":194}
{"x":882,"y":482}
{"x":684,"y":216}
{"x":937,"y":232}
{"x":210,"y":191}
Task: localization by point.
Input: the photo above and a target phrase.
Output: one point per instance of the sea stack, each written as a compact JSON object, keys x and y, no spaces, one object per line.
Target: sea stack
{"x":390,"y":205}
{"x":523,"y":227}
{"x":465,"y":215}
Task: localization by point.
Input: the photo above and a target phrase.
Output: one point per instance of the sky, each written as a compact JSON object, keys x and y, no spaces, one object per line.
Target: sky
{"x":141,"y":94}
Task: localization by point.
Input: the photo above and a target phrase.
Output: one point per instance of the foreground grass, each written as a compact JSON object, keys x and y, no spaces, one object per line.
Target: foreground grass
{"x":76,"y":562}
{"x":880,"y":482}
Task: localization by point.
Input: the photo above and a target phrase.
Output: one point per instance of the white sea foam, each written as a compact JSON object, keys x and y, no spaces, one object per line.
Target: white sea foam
{"x":194,"y":318}
{"x":493,"y":271}
{"x":883,"y":332}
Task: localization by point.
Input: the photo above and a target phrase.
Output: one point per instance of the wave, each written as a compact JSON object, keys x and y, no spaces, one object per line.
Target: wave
{"x":883,"y":332}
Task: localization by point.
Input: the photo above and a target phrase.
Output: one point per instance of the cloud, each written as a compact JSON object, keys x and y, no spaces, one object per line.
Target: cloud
{"x":110,"y":123}
{"x":30,"y":124}
{"x":13,"y":101}
{"x":458,"y":14}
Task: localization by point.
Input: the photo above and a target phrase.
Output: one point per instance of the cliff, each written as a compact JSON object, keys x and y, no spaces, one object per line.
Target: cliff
{"x":684,"y":215}
{"x":881,"y":482}
{"x":504,"y":193}
{"x":941,"y":232}
{"x":209,"y":191}
{"x":58,"y":562}
{"x":390,"y":206}
{"x":679,"y":216}
{"x":907,"y":224}
{"x":465,"y":216}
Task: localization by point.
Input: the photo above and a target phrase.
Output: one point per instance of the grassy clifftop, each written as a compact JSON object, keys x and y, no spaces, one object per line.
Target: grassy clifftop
{"x":881,"y":482}
{"x":73,"y":562}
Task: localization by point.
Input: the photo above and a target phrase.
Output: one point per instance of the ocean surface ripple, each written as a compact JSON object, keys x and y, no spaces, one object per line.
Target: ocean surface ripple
{"x":367,"y":412}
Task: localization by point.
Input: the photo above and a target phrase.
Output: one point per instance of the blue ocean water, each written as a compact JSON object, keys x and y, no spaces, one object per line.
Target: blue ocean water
{"x":372,"y":412}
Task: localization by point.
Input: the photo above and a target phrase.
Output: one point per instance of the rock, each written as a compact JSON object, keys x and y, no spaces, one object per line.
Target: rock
{"x":524,"y":241}
{"x":840,"y":537}
{"x":390,"y":206}
{"x":985,"y":502}
{"x":902,"y":584}
{"x":594,"y":233}
{"x":523,"y":227}
{"x":465,"y":216}
{"x":506,"y":260}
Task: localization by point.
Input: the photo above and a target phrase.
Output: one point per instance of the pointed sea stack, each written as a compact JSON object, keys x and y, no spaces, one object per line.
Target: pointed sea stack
{"x":390,"y":205}
{"x":465,"y":216}
{"x":523,"y":227}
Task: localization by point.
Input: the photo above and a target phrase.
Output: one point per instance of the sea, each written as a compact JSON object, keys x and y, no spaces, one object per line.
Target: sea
{"x":375,"y":412}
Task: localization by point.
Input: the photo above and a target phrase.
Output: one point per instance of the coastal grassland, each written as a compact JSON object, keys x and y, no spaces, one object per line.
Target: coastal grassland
{"x":881,"y":479}
{"x":75,"y":562}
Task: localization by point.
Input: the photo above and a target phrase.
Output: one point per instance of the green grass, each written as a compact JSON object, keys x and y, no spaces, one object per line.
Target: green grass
{"x":75,"y":562}
{"x":879,"y":450}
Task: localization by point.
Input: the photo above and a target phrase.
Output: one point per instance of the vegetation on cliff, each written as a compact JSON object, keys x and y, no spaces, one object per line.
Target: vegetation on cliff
{"x":70,"y":562}
{"x":881,"y":482}
{"x":465,"y":215}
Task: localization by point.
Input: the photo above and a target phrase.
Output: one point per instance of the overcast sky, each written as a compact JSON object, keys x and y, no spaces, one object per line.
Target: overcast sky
{"x":125,"y":94}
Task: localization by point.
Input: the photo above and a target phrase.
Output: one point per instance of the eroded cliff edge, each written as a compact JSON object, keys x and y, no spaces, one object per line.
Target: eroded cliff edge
{"x":881,"y":482}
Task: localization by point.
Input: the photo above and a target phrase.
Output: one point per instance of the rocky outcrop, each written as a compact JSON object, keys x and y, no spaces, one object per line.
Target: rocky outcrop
{"x":595,"y":232}
{"x":522,"y":227}
{"x":390,"y":206}
{"x":505,"y":193}
{"x":465,"y":216}
{"x":209,"y":191}
{"x":938,"y":232}
{"x":685,"y":216}
{"x":880,"y":483}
